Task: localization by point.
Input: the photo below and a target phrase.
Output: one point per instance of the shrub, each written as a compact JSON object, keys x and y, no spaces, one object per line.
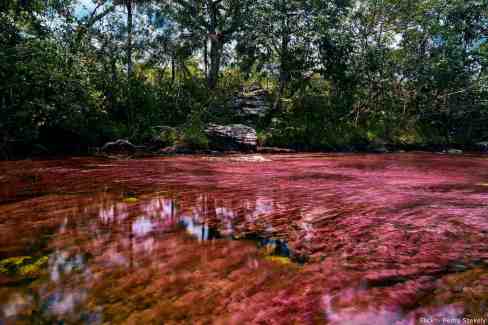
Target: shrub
{"x":193,"y":134}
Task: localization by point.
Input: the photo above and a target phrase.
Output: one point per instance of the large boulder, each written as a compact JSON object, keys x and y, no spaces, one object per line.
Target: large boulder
{"x":234,"y":137}
{"x":119,"y":147}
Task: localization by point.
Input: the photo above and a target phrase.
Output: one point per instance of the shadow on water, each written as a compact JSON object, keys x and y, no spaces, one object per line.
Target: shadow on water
{"x":275,"y":247}
{"x":201,"y":231}
{"x":269,"y":246}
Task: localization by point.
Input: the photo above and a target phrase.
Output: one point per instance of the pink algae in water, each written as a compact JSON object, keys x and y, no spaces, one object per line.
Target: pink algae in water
{"x":307,"y":239}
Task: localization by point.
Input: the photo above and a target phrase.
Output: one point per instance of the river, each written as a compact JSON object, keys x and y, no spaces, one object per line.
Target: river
{"x":257,"y":239}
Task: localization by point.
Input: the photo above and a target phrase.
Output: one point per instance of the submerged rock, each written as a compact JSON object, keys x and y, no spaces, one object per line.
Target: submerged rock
{"x":12,"y":264}
{"x":176,"y":149}
{"x":250,"y":158}
{"x":231,"y":137}
{"x":131,"y":200}
{"x":274,"y":150}
{"x":23,"y":266}
{"x":279,"y":259}
{"x":454,"y":151}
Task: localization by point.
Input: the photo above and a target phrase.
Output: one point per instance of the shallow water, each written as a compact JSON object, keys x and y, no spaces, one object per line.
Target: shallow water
{"x":305,"y":239}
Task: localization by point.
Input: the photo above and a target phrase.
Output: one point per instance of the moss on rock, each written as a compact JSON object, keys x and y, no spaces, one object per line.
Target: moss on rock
{"x":23,"y":266}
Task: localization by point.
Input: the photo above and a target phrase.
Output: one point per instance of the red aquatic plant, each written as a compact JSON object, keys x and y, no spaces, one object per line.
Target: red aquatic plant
{"x":386,"y":239}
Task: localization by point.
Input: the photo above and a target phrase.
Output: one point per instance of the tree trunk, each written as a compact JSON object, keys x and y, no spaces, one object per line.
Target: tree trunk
{"x":216,"y":47}
{"x":113,"y":72}
{"x":281,"y":90}
{"x":129,"y":38}
{"x":130,"y":113}
{"x":173,"y":69}
{"x":205,"y":58}
{"x":284,"y":66}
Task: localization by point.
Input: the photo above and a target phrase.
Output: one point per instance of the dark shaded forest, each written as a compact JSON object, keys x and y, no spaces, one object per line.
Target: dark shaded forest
{"x":335,"y":75}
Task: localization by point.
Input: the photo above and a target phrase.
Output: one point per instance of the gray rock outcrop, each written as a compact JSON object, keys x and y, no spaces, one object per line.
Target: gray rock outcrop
{"x":252,"y":102}
{"x":119,"y":147}
{"x":232,"y":137}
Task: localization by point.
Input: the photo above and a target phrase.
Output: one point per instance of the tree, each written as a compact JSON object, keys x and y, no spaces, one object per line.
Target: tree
{"x":214,"y":22}
{"x":441,"y":62}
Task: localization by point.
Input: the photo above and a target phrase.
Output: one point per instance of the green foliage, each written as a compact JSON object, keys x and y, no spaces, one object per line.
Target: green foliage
{"x":168,"y":137}
{"x":342,"y":74}
{"x":263,"y":138}
{"x":311,"y":123}
{"x":41,"y":92}
{"x":193,"y":134}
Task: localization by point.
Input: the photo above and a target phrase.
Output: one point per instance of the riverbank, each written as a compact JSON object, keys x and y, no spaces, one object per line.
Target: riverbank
{"x":174,"y":151}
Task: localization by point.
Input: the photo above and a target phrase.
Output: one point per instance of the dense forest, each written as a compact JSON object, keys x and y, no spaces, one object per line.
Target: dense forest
{"x":339,"y":75}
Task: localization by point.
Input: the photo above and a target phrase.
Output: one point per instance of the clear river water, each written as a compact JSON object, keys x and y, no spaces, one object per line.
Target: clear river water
{"x":257,"y":239}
